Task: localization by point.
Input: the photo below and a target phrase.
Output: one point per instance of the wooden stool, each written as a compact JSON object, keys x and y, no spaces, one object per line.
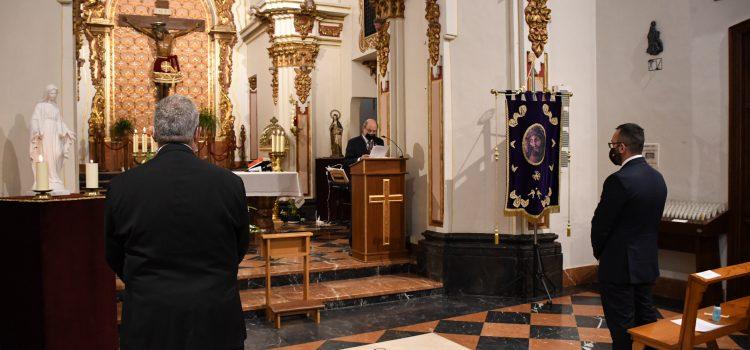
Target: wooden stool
{"x":665,"y":334}
{"x":290,"y":245}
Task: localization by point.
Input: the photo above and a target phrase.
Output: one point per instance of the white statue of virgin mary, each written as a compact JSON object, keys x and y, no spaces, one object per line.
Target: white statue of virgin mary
{"x":51,"y":139}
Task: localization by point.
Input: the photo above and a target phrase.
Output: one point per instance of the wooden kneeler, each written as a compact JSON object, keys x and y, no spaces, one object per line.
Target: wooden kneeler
{"x":664,"y":334}
{"x":290,"y":245}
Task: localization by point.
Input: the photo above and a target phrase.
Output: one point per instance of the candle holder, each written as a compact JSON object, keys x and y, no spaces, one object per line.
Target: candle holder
{"x":91,"y":192}
{"x":276,"y":158}
{"x":43,"y":195}
{"x":142,"y":157}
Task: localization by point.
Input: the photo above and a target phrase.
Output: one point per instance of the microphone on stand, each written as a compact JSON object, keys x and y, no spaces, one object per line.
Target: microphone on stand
{"x":393,"y":142}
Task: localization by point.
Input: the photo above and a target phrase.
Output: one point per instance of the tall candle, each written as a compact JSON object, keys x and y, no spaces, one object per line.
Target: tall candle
{"x":282,"y":143}
{"x":144,"y":141}
{"x":135,"y":141}
{"x":92,"y":175}
{"x":273,"y":142}
{"x":42,"y":175}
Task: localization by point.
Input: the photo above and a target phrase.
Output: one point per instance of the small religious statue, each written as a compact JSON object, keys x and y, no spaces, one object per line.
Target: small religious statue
{"x":336,"y":132}
{"x":655,"y":46}
{"x":166,"y":68}
{"x":51,"y":140}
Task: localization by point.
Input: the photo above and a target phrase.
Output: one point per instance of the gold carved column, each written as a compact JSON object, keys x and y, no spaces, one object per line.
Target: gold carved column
{"x":435,"y":160}
{"x":94,"y":25}
{"x":389,"y":46}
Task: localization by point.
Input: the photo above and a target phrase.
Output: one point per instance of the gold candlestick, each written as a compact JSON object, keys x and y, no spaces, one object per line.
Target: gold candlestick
{"x":276,"y":158}
{"x":43,"y":194}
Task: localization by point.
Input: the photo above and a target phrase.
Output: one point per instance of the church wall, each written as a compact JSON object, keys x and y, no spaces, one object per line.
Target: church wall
{"x":325,"y":96}
{"x":416,"y":145}
{"x":572,"y":58}
{"x":478,"y":61}
{"x":257,"y":64}
{"x":31,"y":35}
{"x":683,"y":107}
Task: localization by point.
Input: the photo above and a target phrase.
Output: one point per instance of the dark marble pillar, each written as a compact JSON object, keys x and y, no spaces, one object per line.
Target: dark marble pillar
{"x":471,"y":263}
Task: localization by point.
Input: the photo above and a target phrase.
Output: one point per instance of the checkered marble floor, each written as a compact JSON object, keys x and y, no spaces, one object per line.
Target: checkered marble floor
{"x":570,"y":322}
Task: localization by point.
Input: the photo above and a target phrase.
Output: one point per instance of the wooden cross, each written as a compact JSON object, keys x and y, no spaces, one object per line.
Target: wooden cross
{"x":162,"y":13}
{"x":386,"y":199}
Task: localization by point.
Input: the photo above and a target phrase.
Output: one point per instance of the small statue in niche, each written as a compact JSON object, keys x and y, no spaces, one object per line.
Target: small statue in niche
{"x":655,"y":46}
{"x":336,"y":132}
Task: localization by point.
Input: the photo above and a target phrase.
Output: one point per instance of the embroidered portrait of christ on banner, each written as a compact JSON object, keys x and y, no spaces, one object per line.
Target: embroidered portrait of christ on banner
{"x":533,"y":154}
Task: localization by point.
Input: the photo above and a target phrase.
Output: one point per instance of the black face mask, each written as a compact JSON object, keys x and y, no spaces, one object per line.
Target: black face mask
{"x":615,"y":156}
{"x":369,"y":137}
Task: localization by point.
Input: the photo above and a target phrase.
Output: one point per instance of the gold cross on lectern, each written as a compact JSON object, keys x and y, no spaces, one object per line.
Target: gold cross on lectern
{"x":386,"y":198}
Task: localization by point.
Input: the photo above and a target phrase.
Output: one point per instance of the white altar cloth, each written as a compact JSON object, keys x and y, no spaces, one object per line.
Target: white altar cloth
{"x":270,"y":184}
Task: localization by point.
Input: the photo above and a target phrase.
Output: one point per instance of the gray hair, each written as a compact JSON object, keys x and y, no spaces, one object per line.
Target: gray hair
{"x":175,"y":119}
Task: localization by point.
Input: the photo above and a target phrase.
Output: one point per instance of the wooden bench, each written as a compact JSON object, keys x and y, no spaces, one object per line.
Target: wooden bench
{"x":665,"y":334}
{"x":290,"y":245}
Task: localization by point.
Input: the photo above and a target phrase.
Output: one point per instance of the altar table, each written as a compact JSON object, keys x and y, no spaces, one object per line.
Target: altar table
{"x":262,"y":189}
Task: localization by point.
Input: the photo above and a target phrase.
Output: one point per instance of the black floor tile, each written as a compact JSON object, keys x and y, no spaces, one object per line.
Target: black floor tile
{"x":544,"y":308}
{"x":591,"y":321}
{"x":587,"y":345}
{"x":552,"y":332}
{"x":741,"y":340}
{"x":494,"y":343}
{"x":508,"y":317}
{"x":459,"y":327}
{"x":585,"y":300}
{"x":393,"y":335}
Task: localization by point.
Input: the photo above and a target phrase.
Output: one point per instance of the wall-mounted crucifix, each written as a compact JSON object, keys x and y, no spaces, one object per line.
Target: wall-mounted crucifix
{"x":163,"y":29}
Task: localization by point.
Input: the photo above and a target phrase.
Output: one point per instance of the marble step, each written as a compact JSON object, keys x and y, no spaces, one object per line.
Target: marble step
{"x":343,"y":293}
{"x":349,"y":292}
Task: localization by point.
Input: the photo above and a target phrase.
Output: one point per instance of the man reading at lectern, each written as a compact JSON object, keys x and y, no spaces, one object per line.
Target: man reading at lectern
{"x":624,"y":233}
{"x":360,"y":146}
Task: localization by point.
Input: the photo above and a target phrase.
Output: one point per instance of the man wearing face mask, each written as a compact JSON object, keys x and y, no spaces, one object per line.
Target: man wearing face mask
{"x":360,"y":146}
{"x":624,"y":235}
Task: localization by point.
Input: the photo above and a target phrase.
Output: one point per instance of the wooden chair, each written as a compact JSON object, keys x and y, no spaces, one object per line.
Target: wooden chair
{"x":665,"y":334}
{"x":290,"y":245}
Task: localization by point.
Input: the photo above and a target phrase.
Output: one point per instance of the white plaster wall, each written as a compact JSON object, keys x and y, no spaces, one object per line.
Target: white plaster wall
{"x":416,"y":145}
{"x":33,"y":57}
{"x":478,"y":62}
{"x":572,"y":58}
{"x":257,"y":64}
{"x":325,"y":96}
{"x":682,"y":107}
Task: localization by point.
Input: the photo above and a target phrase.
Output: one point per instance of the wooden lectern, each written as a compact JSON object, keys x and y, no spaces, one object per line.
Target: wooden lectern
{"x":378,"y":202}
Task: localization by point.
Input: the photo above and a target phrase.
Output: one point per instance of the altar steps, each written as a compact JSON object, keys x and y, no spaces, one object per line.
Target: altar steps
{"x":336,"y":279}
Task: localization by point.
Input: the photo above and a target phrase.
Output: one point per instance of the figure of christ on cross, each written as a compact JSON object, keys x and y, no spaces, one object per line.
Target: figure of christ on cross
{"x":166,"y":63}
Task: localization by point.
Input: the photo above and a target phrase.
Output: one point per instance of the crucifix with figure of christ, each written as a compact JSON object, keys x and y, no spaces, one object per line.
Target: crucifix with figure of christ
{"x":164,"y":30}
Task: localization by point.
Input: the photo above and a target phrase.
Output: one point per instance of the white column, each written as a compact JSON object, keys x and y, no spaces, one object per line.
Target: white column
{"x":67,"y":98}
{"x":397,"y":77}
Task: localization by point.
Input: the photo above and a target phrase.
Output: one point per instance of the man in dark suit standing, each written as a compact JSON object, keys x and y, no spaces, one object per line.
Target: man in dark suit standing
{"x":361,"y":145}
{"x":176,"y":230}
{"x":624,"y":234}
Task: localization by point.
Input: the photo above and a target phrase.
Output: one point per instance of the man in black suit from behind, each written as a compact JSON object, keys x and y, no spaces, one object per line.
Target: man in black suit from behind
{"x":176,"y":230}
{"x":624,"y":234}
{"x":361,"y":145}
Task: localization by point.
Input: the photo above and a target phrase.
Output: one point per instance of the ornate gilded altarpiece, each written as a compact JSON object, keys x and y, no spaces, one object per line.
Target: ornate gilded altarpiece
{"x":120,"y":61}
{"x":133,"y":55}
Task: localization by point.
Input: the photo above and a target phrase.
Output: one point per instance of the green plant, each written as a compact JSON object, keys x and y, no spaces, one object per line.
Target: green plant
{"x":121,"y":129}
{"x":207,"y":121}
